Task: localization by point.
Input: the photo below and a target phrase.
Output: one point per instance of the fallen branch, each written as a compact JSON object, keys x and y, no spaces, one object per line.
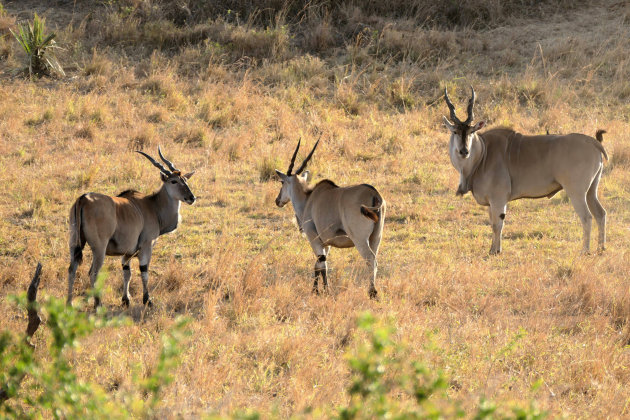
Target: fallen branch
{"x":31,"y":296}
{"x":33,"y":320}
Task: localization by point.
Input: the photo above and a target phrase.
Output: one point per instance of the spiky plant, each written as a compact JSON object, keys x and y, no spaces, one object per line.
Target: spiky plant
{"x":38,"y":47}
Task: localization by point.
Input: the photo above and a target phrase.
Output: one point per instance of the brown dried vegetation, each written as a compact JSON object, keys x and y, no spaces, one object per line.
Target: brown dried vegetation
{"x":228,"y":94}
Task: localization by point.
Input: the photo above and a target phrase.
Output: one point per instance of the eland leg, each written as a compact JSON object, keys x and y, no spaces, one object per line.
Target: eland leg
{"x":578,"y":199}
{"x":321,"y":266}
{"x":98,"y":257}
{"x":324,"y":272}
{"x":370,"y":258}
{"x":126,"y":277}
{"x":144,"y":258}
{"x":75,"y":260}
{"x":497,"y":217}
{"x":321,"y":269}
{"x":597,"y":210}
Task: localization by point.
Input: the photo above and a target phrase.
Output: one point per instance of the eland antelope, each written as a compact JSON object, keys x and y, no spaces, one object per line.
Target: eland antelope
{"x":329,"y":215}
{"x":501,"y":165}
{"x":126,"y":225}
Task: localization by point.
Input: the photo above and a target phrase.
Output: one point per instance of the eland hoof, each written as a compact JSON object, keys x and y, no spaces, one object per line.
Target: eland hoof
{"x":146,"y":300}
{"x":125,"y":301}
{"x":373,"y":294}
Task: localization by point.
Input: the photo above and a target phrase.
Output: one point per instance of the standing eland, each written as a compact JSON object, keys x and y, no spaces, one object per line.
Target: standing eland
{"x":501,"y":165}
{"x":126,"y":225}
{"x":329,"y":215}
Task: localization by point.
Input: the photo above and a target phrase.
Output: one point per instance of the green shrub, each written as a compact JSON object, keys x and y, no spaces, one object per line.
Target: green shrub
{"x":38,"y":47}
{"x":53,"y":389}
{"x":388,"y":384}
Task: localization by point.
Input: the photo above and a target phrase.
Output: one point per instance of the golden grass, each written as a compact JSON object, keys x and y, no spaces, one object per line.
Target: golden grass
{"x":237,"y":264}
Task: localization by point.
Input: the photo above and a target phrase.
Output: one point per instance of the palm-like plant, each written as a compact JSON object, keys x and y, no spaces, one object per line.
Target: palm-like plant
{"x":38,"y":47}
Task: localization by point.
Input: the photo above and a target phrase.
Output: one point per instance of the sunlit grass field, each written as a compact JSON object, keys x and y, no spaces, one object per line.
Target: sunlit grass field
{"x":232,"y":105}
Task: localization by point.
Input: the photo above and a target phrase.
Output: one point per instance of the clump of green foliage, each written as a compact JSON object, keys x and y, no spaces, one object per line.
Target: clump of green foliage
{"x":48,"y":386}
{"x":388,"y":384}
{"x":39,"y":48}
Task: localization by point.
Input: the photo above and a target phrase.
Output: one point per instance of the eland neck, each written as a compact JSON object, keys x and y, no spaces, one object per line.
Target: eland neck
{"x":468,"y":167}
{"x":166,"y":209}
{"x":298,"y":201}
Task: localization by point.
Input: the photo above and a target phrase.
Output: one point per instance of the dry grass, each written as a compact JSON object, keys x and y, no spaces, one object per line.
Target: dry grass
{"x":232,"y":105}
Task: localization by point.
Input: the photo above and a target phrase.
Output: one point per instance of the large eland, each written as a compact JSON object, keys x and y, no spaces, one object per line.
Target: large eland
{"x":126,"y":225}
{"x":329,"y":215}
{"x":501,"y":165}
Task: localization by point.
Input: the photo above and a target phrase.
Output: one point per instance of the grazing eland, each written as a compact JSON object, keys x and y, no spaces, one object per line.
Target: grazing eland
{"x":333,"y":216}
{"x":126,"y":225}
{"x":501,"y":165}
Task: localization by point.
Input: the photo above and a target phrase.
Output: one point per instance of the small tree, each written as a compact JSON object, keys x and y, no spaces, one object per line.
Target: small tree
{"x":38,"y":47}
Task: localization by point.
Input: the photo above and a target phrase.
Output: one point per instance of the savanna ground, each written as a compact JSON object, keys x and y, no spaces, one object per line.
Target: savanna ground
{"x":228,"y":92}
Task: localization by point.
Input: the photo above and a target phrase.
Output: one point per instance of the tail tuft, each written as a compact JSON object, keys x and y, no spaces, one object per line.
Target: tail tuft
{"x":599,"y":135}
{"x":373,"y":213}
{"x":370,"y":214}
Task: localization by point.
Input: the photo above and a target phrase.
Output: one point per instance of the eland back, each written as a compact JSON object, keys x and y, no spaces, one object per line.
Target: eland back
{"x":501,"y":165}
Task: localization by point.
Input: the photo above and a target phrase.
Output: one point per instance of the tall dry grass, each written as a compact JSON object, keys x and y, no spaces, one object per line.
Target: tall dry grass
{"x":229,"y":96}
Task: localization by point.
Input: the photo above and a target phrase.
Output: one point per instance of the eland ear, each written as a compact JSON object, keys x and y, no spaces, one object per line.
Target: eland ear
{"x":281,"y":175}
{"x":479,"y":126}
{"x":306,"y":176}
{"x":164,"y":177}
{"x":449,"y":125}
{"x":189,"y":175}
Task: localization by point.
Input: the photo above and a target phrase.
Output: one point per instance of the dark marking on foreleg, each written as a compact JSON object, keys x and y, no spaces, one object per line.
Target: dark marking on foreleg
{"x":502,"y":216}
{"x":145,"y":279}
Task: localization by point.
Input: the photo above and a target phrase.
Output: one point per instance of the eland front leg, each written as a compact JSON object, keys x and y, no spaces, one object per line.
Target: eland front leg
{"x":144,"y":258}
{"x":321,"y":266}
{"x":126,"y":277}
{"x":497,"y":217}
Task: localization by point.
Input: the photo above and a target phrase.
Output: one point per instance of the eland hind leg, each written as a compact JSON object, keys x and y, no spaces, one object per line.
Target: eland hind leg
{"x":76,"y":256}
{"x":377,"y":233}
{"x":597,"y":210}
{"x":370,"y":258}
{"x":98,"y":258}
{"x":578,"y":200}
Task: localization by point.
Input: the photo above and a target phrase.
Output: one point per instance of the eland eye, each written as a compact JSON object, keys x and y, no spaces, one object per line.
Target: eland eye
{"x":173,"y":182}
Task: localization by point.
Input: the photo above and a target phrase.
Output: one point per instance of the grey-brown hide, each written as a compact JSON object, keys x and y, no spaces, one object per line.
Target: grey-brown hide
{"x":501,"y":165}
{"x":333,"y":216}
{"x":126,"y":225}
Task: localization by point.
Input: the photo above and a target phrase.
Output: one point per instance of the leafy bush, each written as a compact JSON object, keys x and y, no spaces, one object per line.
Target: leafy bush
{"x":53,"y":388}
{"x":388,"y":384}
{"x":38,"y":47}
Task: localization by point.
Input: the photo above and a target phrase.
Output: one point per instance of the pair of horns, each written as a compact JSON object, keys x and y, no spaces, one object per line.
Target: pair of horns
{"x":159,"y":165}
{"x":305,"y":161}
{"x":471,"y":103}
